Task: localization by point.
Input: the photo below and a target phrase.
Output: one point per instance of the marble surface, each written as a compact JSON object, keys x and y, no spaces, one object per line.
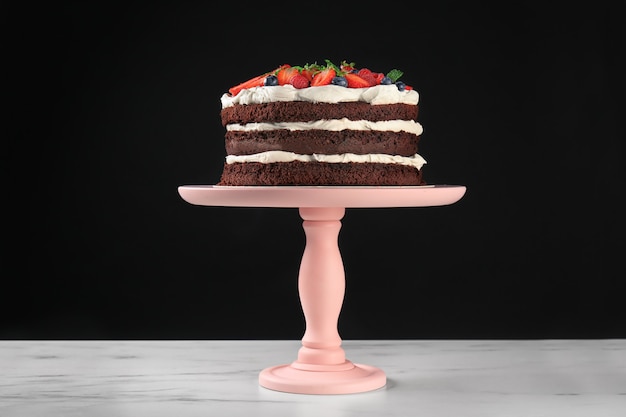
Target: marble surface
{"x":220,"y":378}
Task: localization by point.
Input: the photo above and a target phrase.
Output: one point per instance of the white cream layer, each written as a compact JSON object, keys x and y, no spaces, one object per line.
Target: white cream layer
{"x":335,"y":125}
{"x":380,"y":94}
{"x":269,"y":157}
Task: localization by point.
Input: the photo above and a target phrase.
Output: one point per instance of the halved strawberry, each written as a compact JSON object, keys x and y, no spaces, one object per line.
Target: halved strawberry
{"x":308,"y":73}
{"x":355,"y":81}
{"x":368,"y":76}
{"x":286,"y":74}
{"x":323,"y":77}
{"x":253,"y":82}
{"x":258,"y":81}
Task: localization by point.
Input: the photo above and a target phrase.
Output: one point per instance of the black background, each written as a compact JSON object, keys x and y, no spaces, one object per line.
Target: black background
{"x":113,"y":107}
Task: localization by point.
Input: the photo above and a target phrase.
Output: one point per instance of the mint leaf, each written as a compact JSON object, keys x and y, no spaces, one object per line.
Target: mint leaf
{"x":394,"y":74}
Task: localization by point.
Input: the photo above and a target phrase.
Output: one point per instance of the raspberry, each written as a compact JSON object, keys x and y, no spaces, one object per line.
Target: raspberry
{"x":299,"y":81}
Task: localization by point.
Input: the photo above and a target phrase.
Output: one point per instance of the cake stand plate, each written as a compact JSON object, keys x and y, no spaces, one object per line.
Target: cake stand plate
{"x":322,"y":196}
{"x":321,"y":366}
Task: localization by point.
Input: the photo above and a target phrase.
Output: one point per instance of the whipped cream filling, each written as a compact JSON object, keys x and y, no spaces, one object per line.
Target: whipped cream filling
{"x":269,"y":157}
{"x":410,"y":126}
{"x":379,"y":94}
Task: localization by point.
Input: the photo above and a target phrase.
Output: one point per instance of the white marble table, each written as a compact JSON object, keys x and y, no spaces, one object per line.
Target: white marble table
{"x":569,"y":378}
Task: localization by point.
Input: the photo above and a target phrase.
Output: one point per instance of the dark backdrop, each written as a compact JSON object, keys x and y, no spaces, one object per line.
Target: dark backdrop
{"x":113,"y":107}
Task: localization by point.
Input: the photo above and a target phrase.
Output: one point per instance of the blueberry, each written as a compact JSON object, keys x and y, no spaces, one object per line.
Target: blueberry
{"x":401,"y":86}
{"x":386,"y":81}
{"x":271,"y":80}
{"x":340,"y":81}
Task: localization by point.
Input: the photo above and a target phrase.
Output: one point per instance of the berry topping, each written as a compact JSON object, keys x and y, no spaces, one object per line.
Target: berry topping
{"x":347,"y":67}
{"x":258,"y":81}
{"x":309,"y":71}
{"x":315,"y":75}
{"x":253,"y":82}
{"x":356,"y":81}
{"x":324,"y":77}
{"x":271,"y":80}
{"x":340,"y":81}
{"x":299,"y":81}
{"x":286,"y":74}
{"x":368,"y":76}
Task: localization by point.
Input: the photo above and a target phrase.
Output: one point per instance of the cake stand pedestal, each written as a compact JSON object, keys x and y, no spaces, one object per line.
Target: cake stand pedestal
{"x":321,"y":366}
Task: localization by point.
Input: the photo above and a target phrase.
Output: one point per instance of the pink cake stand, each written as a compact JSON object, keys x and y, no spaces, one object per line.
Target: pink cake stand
{"x":321,"y":366}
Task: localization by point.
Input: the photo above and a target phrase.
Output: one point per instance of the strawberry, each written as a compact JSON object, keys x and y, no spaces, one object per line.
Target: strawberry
{"x":286,"y":74}
{"x":347,"y":67}
{"x":258,"y":81}
{"x":253,"y":82}
{"x":323,"y":77}
{"x":368,"y":76}
{"x":309,"y":73}
{"x":293,"y":76}
{"x":355,"y":81}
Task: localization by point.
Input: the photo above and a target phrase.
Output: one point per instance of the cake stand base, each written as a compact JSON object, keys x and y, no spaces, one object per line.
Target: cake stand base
{"x":321,"y":366}
{"x":348,"y":378}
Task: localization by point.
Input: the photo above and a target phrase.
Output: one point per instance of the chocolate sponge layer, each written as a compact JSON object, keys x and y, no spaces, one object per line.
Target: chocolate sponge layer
{"x":319,"y":173}
{"x":300,"y":111}
{"x":307,"y":142}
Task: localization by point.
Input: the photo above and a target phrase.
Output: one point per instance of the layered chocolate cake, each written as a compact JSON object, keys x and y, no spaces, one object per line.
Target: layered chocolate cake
{"x":322,"y":125}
